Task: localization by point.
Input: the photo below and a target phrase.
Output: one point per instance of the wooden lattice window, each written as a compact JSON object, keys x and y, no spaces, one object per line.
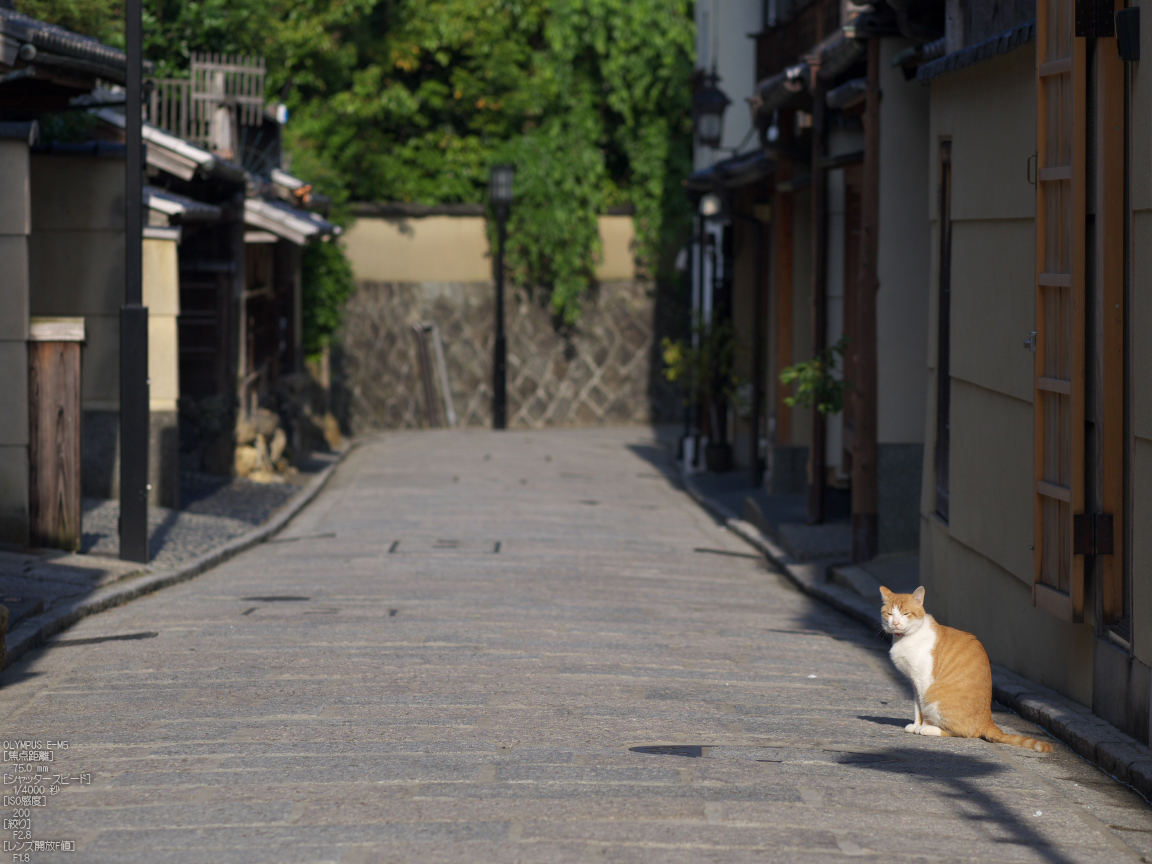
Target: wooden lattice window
{"x":1058,"y":580}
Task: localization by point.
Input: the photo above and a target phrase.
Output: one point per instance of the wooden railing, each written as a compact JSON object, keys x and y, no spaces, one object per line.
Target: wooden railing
{"x":188,"y":107}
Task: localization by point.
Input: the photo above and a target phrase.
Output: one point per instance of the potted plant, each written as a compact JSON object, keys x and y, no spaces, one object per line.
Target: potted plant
{"x":815,"y":384}
{"x":703,"y":369}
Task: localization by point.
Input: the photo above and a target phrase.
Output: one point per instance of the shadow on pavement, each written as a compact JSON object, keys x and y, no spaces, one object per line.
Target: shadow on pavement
{"x":959,"y":772}
{"x":884,"y":721}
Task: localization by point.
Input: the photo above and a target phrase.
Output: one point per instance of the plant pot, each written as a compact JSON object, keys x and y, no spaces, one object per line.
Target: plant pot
{"x":718,"y":457}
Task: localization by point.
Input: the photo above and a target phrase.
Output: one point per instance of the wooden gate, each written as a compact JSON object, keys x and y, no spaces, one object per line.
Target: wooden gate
{"x":1058,"y":580}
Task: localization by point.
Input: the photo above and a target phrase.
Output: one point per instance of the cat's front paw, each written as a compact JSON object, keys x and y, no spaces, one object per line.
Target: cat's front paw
{"x":912,"y":727}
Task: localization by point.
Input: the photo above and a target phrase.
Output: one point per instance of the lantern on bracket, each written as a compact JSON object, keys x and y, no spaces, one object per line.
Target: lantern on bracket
{"x":708,"y":105}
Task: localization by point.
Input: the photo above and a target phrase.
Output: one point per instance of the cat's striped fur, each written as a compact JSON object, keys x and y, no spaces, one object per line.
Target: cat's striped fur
{"x":950,"y":672}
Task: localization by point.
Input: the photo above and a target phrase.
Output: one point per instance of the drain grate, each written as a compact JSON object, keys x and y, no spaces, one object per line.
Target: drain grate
{"x":445,"y":546}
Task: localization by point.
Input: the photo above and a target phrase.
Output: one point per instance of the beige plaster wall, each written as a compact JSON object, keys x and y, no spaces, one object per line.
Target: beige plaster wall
{"x":978,"y":566}
{"x":904,"y":256}
{"x":993,"y":304}
{"x":618,"y":249}
{"x":76,"y":267}
{"x":162,"y":297}
{"x":455,"y":249}
{"x":76,"y":262}
{"x":994,"y":103}
{"x":15,"y":220}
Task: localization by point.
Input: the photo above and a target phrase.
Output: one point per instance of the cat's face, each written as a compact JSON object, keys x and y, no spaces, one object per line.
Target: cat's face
{"x":902,"y":614}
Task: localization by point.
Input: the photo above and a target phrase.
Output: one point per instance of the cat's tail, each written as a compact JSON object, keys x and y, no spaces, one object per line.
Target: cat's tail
{"x":998,"y":736}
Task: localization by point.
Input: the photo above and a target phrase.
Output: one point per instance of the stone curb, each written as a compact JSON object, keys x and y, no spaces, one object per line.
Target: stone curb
{"x":33,"y":632}
{"x":1089,"y":736}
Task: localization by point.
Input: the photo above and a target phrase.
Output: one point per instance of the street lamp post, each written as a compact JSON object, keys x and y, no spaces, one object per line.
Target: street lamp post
{"x":134,"y":407}
{"x":500,"y":193}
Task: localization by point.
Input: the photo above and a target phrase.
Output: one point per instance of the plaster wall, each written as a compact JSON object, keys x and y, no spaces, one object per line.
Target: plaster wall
{"x":162,"y":297}
{"x":903,"y":257}
{"x":77,"y":260}
{"x":455,"y":249}
{"x":1141,"y":396}
{"x":978,"y":565}
{"x":1141,"y":167}
{"x":76,"y":268}
{"x":15,"y":221}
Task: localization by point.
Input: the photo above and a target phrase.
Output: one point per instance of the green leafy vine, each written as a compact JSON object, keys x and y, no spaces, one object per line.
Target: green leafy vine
{"x":814,"y":382}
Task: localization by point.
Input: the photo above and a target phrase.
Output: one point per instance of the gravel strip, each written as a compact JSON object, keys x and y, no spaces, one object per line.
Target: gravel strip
{"x":216,"y":510}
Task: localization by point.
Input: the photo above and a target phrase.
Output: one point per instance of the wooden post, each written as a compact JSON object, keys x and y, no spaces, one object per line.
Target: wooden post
{"x":1108,"y":362}
{"x":54,"y":412}
{"x":816,"y":456}
{"x":864,"y":516}
{"x":759,"y":349}
{"x":784,"y":270}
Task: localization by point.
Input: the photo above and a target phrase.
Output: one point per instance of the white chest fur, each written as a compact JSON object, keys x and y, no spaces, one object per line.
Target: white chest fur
{"x":912,"y":655}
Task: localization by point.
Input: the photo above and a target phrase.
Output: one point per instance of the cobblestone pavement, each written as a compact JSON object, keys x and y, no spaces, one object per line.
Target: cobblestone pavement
{"x":451,"y":655}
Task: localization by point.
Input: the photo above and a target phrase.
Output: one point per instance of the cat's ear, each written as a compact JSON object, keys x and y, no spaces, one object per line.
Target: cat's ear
{"x":885,"y":593}
{"x":918,"y":595}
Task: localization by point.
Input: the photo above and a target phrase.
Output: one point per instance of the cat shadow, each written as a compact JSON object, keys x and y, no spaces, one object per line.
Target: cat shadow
{"x":884,"y":721}
{"x":966,"y":778}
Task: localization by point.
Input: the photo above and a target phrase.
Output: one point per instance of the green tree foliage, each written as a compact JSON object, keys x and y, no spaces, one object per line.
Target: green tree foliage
{"x":414,"y":100}
{"x":327,"y":284}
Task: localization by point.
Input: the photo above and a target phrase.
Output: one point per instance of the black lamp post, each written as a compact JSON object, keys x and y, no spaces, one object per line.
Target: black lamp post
{"x":134,"y":417}
{"x":708,"y":105}
{"x":500,"y":193}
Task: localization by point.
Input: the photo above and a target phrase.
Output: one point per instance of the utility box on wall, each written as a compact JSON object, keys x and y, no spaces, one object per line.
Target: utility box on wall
{"x":54,"y":412}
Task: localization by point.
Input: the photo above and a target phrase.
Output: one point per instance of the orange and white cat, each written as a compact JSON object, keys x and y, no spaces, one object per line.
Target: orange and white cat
{"x":950,"y":672}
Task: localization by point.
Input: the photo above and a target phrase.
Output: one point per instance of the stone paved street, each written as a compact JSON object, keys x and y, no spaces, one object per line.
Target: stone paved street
{"x":450,"y":656}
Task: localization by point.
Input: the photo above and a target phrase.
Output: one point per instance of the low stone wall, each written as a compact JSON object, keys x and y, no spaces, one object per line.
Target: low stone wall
{"x":606,"y":371}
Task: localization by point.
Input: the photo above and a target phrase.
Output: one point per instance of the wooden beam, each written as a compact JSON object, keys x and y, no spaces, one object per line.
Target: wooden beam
{"x":818,"y":436}
{"x":785,"y":171}
{"x":1108,"y":368}
{"x":865,"y":523}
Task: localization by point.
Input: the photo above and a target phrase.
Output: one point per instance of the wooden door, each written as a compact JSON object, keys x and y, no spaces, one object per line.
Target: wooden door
{"x":1058,"y":578}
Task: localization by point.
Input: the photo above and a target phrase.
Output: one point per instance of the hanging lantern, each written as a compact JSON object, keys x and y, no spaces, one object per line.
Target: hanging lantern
{"x":708,"y":105}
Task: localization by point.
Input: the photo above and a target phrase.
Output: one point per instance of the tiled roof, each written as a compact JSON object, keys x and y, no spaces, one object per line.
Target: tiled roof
{"x":56,"y":40}
{"x":991,"y":47}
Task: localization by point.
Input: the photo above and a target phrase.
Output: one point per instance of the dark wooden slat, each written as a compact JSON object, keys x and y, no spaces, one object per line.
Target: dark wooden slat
{"x":1048,"y":599}
{"x":1053,"y":490}
{"x":1055,"y":67}
{"x":1054,"y":385}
